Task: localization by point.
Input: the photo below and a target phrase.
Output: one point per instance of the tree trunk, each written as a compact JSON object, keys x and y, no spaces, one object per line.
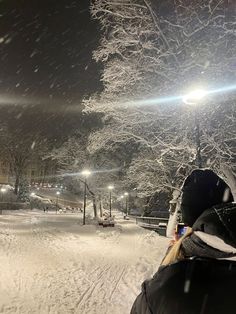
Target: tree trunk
{"x":230,"y":179}
{"x":17,"y":182}
{"x":100,"y":205}
{"x":94,"y":206}
{"x":93,"y":198}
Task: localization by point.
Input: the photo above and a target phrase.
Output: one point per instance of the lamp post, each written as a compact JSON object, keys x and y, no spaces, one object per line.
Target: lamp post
{"x":193,"y":98}
{"x":85,"y":174}
{"x":100,"y":204}
{"x":126,"y":194}
{"x":122,"y":207}
{"x":110,"y":188}
{"x":57,"y":193}
{"x":3,"y":191}
{"x":32,"y":195}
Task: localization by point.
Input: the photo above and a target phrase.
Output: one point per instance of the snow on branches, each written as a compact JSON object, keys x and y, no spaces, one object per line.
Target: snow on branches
{"x":153,"y":50}
{"x":150,"y":50}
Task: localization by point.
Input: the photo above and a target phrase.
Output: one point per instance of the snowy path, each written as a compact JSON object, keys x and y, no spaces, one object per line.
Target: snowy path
{"x":52,"y":264}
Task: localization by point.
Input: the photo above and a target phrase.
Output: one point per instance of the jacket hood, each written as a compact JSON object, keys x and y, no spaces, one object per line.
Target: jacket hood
{"x":219,"y":221}
{"x":201,"y":190}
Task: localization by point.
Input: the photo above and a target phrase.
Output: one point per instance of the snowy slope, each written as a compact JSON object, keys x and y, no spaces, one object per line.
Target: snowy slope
{"x":52,"y":264}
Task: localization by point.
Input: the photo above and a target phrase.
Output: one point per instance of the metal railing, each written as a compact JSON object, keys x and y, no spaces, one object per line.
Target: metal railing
{"x":151,"y":220}
{"x":153,"y":223}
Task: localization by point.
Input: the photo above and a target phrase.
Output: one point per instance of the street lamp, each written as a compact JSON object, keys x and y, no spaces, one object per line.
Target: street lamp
{"x":122,"y":197}
{"x":110,"y":188}
{"x":126,"y":194}
{"x":193,"y":98}
{"x":32,"y":194}
{"x":85,"y":174}
{"x":57,"y":193}
{"x":3,"y":190}
{"x":100,"y":204}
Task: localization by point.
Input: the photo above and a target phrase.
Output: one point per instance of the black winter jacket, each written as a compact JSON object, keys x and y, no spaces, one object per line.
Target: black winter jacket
{"x":191,"y":286}
{"x":204,"y":281}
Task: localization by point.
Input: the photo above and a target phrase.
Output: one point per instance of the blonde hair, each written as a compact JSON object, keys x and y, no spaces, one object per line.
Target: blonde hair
{"x":175,"y":254}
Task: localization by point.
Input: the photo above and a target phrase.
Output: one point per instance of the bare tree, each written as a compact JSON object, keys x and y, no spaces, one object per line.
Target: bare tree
{"x":72,"y":157}
{"x":18,"y":150}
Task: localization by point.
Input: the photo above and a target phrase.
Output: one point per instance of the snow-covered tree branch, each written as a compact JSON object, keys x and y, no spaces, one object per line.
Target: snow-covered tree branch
{"x":149,"y":52}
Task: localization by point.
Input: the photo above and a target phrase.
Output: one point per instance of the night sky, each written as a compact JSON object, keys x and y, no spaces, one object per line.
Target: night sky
{"x":46,"y":57}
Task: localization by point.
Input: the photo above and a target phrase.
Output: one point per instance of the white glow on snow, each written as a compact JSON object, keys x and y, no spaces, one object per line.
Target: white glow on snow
{"x":53,"y":264}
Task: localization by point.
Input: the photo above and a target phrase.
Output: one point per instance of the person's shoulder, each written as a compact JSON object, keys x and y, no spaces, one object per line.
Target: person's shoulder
{"x":219,"y":221}
{"x":187,"y":282}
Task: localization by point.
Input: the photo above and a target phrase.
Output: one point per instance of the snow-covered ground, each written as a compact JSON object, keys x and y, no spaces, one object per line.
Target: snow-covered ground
{"x":52,"y":264}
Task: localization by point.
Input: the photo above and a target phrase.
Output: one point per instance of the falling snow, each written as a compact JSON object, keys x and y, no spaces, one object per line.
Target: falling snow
{"x":51,"y":49}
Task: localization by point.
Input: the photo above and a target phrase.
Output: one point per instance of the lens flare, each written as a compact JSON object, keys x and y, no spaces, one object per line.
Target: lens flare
{"x":191,"y":97}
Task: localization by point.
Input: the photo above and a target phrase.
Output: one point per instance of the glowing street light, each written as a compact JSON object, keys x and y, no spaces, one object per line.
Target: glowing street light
{"x":193,"y":98}
{"x":85,"y":173}
{"x":32,"y":194}
{"x":122,"y":203}
{"x":100,"y":204}
{"x":3,"y":191}
{"x":110,"y":188}
{"x":126,"y":194}
{"x":57,"y":194}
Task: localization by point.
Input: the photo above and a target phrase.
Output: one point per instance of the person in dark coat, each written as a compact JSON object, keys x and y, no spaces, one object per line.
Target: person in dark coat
{"x":201,"y":266}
